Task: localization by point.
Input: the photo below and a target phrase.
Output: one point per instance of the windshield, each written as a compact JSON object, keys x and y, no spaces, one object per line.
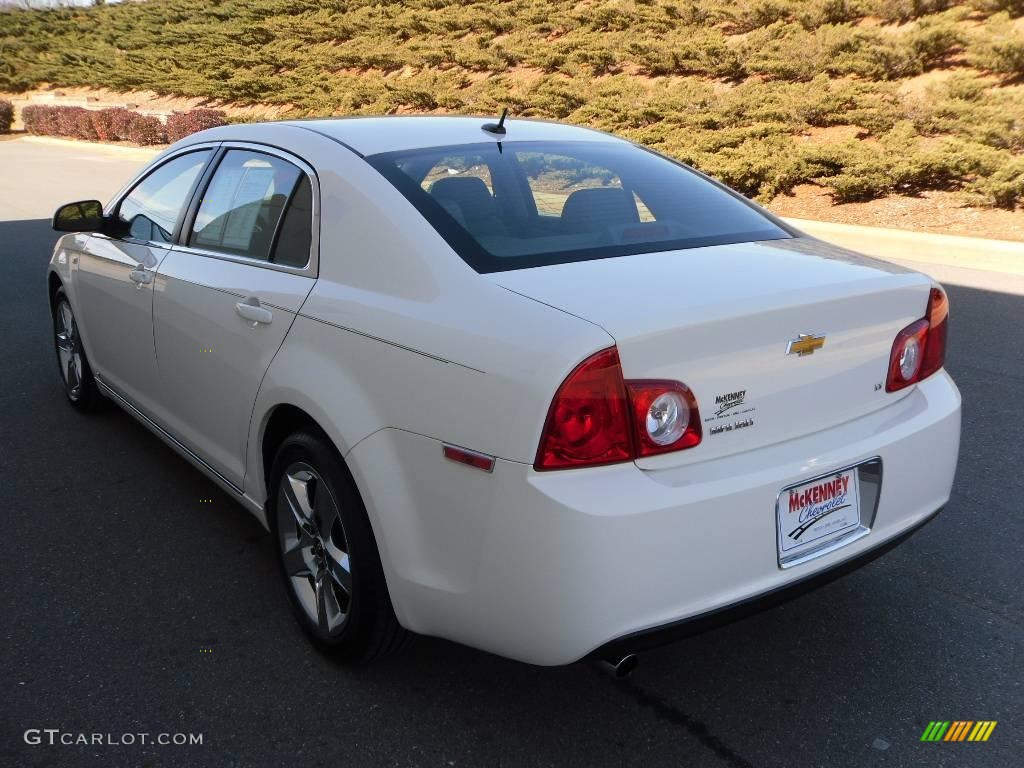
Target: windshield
{"x":530,"y":204}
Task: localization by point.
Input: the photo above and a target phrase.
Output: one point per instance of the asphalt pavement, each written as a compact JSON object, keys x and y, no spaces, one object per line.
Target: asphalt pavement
{"x":137,"y":598}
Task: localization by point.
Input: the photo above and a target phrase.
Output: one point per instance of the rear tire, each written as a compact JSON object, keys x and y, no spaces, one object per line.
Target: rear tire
{"x":75,"y":373}
{"x":327,"y":552}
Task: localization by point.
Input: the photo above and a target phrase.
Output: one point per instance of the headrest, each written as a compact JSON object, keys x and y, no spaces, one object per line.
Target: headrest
{"x":591,"y":209}
{"x":468,"y":192}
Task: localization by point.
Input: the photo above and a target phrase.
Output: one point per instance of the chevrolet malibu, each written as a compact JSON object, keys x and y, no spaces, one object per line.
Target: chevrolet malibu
{"x":522,"y":385}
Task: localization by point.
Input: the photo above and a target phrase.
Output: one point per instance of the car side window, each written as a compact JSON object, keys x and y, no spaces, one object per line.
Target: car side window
{"x":151,"y":210}
{"x":243,"y":211}
{"x":296,"y":234}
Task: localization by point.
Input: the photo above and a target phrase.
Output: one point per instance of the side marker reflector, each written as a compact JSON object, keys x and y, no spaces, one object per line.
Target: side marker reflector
{"x":469,"y":458}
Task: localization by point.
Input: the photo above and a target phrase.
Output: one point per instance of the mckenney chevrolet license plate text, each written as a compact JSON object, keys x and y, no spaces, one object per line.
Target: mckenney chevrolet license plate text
{"x":816,"y":512}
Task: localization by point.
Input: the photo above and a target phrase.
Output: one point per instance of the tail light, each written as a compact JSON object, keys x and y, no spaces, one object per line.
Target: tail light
{"x":588,"y":423}
{"x":665,"y":416}
{"x":938,"y":322}
{"x":597,"y":417}
{"x":920,"y":348}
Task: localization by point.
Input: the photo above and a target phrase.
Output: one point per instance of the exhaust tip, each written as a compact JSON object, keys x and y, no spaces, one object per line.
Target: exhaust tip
{"x":622,"y":667}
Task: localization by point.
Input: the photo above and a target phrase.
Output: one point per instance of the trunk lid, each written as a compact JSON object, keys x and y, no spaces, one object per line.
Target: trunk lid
{"x":720,"y":319}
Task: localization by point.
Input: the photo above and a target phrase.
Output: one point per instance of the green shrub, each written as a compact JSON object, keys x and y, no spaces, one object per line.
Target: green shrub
{"x":963,"y":88}
{"x":1013,"y":7}
{"x":1004,"y":188}
{"x":998,"y":47}
{"x":995,"y":119}
{"x":242,"y":119}
{"x":932,"y":40}
{"x":900,"y":164}
{"x":747,"y":15}
{"x":790,"y":52}
{"x":904,"y":10}
{"x":867,"y":53}
{"x":6,"y":116}
{"x":815,"y":13}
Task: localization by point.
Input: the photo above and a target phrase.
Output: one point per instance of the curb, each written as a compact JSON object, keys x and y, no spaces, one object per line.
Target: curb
{"x":141,"y":152}
{"x":1001,"y":256}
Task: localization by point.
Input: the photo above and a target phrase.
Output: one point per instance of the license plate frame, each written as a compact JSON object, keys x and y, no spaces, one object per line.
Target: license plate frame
{"x":826,"y":533}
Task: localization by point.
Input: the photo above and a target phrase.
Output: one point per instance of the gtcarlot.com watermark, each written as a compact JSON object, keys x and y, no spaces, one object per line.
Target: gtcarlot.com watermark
{"x":54,"y":737}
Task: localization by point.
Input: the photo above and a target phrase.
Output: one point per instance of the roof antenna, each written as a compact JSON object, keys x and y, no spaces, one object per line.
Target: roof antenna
{"x":498,"y":128}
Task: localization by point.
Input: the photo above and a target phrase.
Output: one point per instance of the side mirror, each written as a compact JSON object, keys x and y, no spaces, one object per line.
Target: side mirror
{"x":83,"y":216}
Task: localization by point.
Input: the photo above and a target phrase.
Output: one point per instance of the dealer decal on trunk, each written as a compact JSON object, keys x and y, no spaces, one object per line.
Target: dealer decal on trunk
{"x":729,"y":401}
{"x":728,"y":406}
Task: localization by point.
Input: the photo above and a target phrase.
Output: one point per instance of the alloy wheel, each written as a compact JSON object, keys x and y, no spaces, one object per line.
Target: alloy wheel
{"x":314,"y":548}
{"x":69,"y":350}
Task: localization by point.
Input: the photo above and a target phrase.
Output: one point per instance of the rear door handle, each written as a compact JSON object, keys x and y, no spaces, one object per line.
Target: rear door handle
{"x":140,"y":277}
{"x":251,"y":309}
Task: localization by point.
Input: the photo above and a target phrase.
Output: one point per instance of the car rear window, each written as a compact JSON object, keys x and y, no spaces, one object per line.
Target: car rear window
{"x":530,"y":204}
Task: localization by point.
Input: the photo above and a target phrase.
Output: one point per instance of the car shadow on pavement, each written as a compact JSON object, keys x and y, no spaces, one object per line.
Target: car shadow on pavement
{"x":140,"y":597}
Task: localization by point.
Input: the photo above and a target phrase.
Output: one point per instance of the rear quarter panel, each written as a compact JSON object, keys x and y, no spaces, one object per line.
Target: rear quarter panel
{"x":399,"y":332}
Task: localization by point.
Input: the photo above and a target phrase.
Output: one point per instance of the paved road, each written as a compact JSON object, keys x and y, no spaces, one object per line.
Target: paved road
{"x":115,"y":576}
{"x":38,"y":174}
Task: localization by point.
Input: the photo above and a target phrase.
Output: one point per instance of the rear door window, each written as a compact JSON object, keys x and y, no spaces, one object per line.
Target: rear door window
{"x":258,"y":206}
{"x":296,"y":233}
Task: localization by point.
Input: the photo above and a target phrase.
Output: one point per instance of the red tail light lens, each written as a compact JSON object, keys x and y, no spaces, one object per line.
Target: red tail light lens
{"x":938,"y":321}
{"x":588,"y":423}
{"x":597,"y":417}
{"x":920,"y":348}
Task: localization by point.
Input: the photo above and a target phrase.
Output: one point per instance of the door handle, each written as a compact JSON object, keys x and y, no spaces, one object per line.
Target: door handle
{"x":140,"y":277}
{"x":251,"y":309}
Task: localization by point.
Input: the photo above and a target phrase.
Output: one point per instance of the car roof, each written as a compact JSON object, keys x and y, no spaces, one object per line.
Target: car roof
{"x":373,"y":135}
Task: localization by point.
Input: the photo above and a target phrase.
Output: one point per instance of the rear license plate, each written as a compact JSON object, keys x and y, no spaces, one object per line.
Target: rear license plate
{"x":816,"y":513}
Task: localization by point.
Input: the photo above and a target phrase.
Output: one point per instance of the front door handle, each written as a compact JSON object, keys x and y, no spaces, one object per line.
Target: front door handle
{"x":140,"y":277}
{"x":251,"y":309}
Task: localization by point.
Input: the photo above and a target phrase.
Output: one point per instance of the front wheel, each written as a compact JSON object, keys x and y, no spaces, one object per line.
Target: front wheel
{"x":327,"y":553}
{"x":75,"y":373}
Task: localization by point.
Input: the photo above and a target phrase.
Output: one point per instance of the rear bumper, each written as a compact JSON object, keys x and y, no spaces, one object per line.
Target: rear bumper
{"x":549,"y":567}
{"x":719,"y":617}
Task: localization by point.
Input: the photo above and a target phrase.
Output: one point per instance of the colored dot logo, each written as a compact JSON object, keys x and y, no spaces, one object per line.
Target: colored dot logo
{"x":958,"y":730}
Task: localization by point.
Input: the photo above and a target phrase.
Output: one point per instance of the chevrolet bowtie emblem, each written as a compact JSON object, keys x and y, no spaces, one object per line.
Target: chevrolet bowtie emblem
{"x":805,"y":345}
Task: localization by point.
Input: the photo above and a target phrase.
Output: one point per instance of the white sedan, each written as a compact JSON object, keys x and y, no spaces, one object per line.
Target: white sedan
{"x":525,"y":386}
